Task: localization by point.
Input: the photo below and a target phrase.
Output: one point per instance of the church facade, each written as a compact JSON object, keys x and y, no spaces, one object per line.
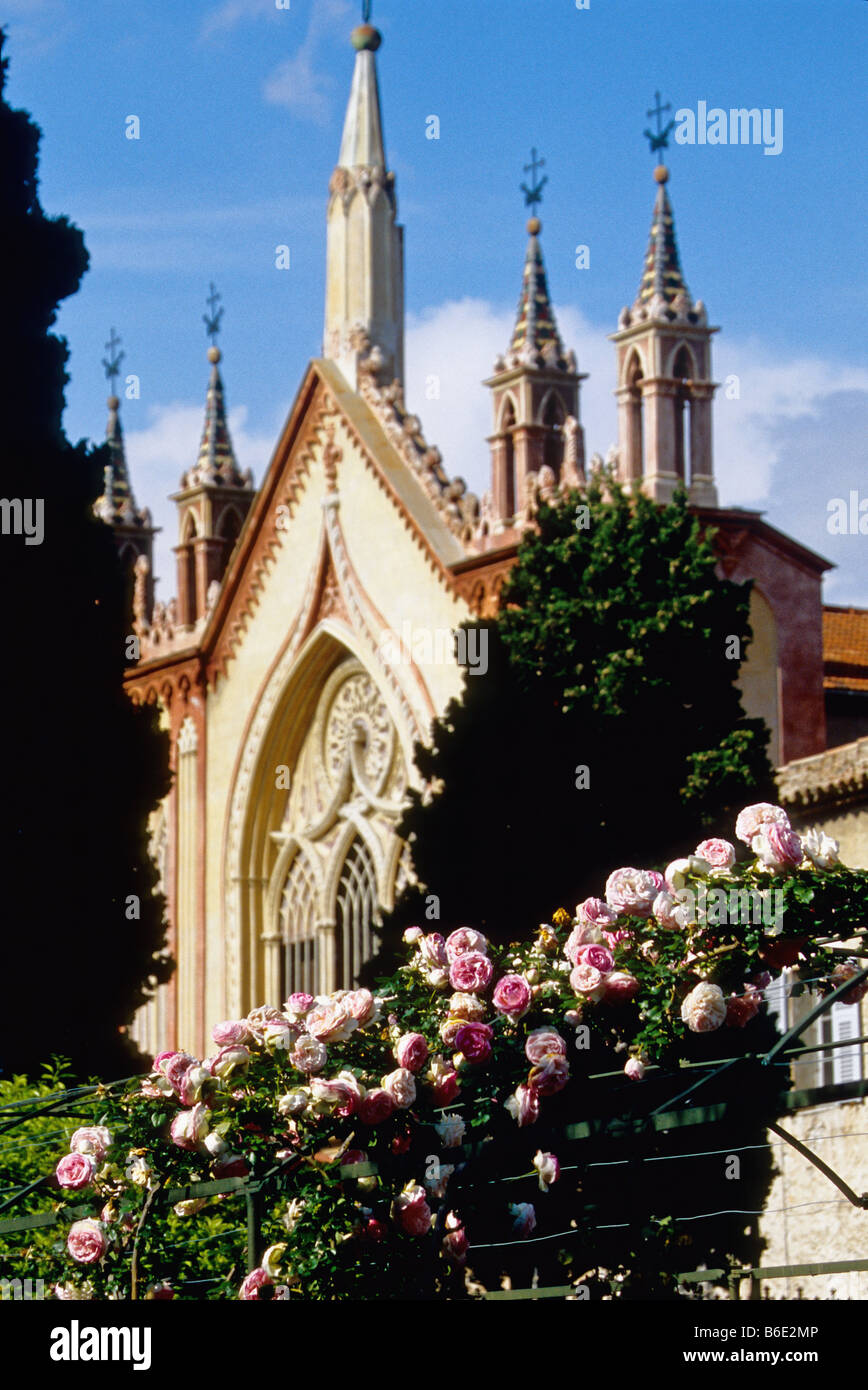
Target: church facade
{"x":310,"y":643}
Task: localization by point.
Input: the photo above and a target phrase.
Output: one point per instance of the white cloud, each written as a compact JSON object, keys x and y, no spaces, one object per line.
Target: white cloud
{"x":297,"y":83}
{"x":233,"y":12}
{"x":166,"y":448}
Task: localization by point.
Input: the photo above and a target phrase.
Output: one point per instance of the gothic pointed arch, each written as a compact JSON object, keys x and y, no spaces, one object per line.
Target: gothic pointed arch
{"x":311,"y":852}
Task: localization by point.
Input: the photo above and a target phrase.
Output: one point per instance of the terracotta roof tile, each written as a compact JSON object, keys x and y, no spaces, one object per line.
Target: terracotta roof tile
{"x":845,"y":648}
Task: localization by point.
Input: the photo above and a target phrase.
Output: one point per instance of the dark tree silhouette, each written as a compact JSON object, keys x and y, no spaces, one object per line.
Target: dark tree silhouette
{"x":608,"y":729}
{"x":82,"y":767}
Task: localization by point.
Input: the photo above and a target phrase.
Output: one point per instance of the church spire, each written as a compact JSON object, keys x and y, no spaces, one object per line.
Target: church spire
{"x":132,"y":526}
{"x":663,"y":345}
{"x":538,"y":441}
{"x":117,"y":505}
{"x":365,"y":248}
{"x":214,"y":498}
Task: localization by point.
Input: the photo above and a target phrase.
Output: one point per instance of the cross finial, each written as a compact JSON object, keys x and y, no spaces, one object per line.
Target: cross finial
{"x":660,"y":141}
{"x":533,"y":195}
{"x":212,"y":320}
{"x":112,"y":363}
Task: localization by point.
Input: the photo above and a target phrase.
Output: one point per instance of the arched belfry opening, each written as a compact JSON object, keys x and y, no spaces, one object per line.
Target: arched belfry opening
{"x":553,"y":419}
{"x":682,"y":373}
{"x":508,"y":431}
{"x":316,"y":855}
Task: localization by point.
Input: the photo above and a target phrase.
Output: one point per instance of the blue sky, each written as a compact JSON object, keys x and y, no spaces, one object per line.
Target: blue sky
{"x":240,"y":107}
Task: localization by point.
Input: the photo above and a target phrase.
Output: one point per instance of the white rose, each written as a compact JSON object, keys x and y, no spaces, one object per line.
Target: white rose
{"x":704,"y":1009}
{"x":820,"y":848}
{"x":293,"y":1103}
{"x":401,"y":1086}
{"x":451,"y":1131}
{"x":309,"y":1055}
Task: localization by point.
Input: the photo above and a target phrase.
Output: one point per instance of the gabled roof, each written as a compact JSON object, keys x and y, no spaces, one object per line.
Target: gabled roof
{"x":423,"y":506}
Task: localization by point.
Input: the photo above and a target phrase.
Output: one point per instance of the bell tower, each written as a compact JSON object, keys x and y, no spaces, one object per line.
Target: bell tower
{"x":534,"y":388}
{"x":214,"y":497}
{"x":663,"y":348}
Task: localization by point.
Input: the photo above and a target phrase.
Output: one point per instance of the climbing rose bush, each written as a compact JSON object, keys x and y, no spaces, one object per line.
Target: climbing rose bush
{"x":365,"y":1105}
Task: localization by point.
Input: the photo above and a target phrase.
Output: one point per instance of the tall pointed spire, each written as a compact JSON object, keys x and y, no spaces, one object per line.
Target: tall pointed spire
{"x":536,"y":331}
{"x":538,"y":442}
{"x":362,"y":142}
{"x":364,"y":314}
{"x":117,"y":504}
{"x":665,"y":387}
{"x":214,"y":497}
{"x":662,"y":277}
{"x":216,"y":463}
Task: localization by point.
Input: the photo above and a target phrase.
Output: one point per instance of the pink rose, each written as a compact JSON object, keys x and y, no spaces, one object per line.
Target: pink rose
{"x":620,"y":987}
{"x":668,"y":912}
{"x":160,"y":1292}
{"x":341,"y":1096}
{"x":468,"y":1006}
{"x":86,"y":1241}
{"x":741,"y":1008}
{"x":551,"y":1077}
{"x":524,"y":1105}
{"x":412,"y":935}
{"x":232,"y":1166}
{"x":512,"y":996}
{"x":252,"y":1286}
{"x":309,"y":1055}
{"x":524,"y":1218}
{"x":175,"y":1066}
{"x":91,"y":1139}
{"x":446,"y":1088}
{"x":600,"y":957}
{"x":195,"y":1079}
{"x":548,"y":1167}
{"x":585,"y":979}
{"x":75,"y":1171}
{"x":297,"y":1005}
{"x":433,"y":949}
{"x":401,"y":1087}
{"x":412,"y":1212}
{"x":593,"y":912}
{"x":720,"y":854}
{"x":581,"y":936}
{"x":543,"y":1044}
{"x":777,"y":845}
{"x":634,"y":1069}
{"x":752,"y":819}
{"x":450,"y":1028}
{"x":473,"y":1040}
{"x":189,"y":1127}
{"x":455,"y":1243}
{"x":845,"y":971}
{"x":632,"y":891}
{"x":377,"y":1106}
{"x":224,"y":1034}
{"x":331,"y":1022}
{"x":471,"y":972}
{"x":465,"y":939}
{"x":704,"y":1008}
{"x":411,"y":1051}
{"x":361,"y":1005}
{"x":230,"y":1060}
